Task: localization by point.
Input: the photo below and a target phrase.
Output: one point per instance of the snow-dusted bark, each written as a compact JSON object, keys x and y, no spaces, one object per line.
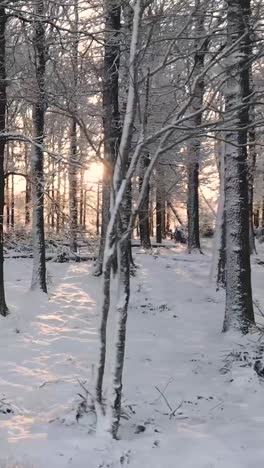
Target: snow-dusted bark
{"x":218,"y":261}
{"x":251,"y":171}
{"x":111,"y":115}
{"x":37,"y":173}
{"x":194,"y":146}
{"x":3,"y":306}
{"x":221,"y":231}
{"x":115,"y":396}
{"x":239,"y":308}
{"x":252,"y":159}
{"x":118,"y":223}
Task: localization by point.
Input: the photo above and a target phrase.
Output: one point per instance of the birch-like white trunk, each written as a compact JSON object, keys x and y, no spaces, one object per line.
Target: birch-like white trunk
{"x":118,"y":222}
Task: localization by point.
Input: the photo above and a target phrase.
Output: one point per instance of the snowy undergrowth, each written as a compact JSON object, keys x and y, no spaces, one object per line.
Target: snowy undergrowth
{"x":192,"y":396}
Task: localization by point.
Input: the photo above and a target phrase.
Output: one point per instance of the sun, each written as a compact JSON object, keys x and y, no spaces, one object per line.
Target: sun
{"x":95,"y":172}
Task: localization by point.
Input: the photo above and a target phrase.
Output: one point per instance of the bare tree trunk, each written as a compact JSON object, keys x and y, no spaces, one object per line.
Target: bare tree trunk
{"x":111,"y":115}
{"x":73,"y":170}
{"x":160,"y":204}
{"x":81,"y":199}
{"x":98,"y":209}
{"x":73,"y":184}
{"x":58,"y":199}
{"x":3,"y":306}
{"x":252,"y":159}
{"x":167,"y":218}
{"x":151,"y":220}
{"x":175,"y":212}
{"x":64,"y":193}
{"x":52,"y":204}
{"x":251,"y":172}
{"x":7,"y":203}
{"x":38,"y":116}
{"x":143,"y":213}
{"x":118,"y":219}
{"x":28,"y":188}
{"x":120,"y":340}
{"x":12,"y":202}
{"x":239,"y":314}
{"x":194,"y":146}
{"x":221,"y":227}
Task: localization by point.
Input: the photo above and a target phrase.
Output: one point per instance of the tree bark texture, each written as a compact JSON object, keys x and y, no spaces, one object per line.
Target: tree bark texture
{"x":111,"y":114}
{"x":3,"y":306}
{"x":239,"y":314}
{"x":37,"y":156}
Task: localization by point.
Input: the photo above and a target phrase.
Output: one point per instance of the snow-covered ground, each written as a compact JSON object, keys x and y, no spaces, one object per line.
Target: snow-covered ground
{"x":188,"y":404}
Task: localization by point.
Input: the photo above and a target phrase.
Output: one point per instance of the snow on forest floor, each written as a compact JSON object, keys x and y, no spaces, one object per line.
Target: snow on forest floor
{"x":210,"y":412}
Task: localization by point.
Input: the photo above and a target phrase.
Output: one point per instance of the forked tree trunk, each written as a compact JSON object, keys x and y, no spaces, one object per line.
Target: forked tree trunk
{"x":239,"y":314}
{"x":118,"y":222}
{"x":111,"y":115}
{"x":3,"y":306}
{"x":38,"y":115}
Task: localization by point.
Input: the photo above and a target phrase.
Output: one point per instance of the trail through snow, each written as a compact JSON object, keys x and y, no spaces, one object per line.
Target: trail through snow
{"x":187,"y":406}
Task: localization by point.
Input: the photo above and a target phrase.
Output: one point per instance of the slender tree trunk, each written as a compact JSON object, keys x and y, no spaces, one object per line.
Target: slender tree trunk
{"x":37,"y":156}
{"x":194,"y":146}
{"x":117,"y":223}
{"x":73,"y":170}
{"x":98,"y":209}
{"x":7,"y":203}
{"x":158,"y":215}
{"x":239,"y":312}
{"x":252,"y":159}
{"x":58,"y":199}
{"x":3,"y":306}
{"x":28,"y":188}
{"x":160,"y":204}
{"x":84,"y":208}
{"x":12,"y":202}
{"x":175,"y":212}
{"x":221,"y":228}
{"x":64,"y":193}
{"x":111,"y":115}
{"x":52,"y":204}
{"x":167,"y":218}
{"x":251,"y":171}
{"x":81,"y":199}
{"x":73,"y":184}
{"x":143,"y":213}
{"x":120,"y":339}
